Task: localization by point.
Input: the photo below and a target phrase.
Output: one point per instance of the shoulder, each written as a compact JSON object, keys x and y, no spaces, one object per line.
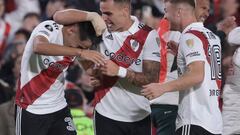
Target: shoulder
{"x":49,"y":25}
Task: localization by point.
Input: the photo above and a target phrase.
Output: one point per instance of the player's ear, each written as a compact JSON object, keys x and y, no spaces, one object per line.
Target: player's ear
{"x":126,"y":10}
{"x":72,"y":29}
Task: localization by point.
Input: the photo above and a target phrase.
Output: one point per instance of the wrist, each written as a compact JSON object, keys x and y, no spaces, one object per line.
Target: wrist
{"x":90,"y":16}
{"x":79,"y":52}
{"x":122,"y":72}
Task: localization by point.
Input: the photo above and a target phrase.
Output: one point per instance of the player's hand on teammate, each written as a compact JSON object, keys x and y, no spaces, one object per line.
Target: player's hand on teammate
{"x":94,"y":82}
{"x":172,"y":47}
{"x":93,"y":56}
{"x":110,"y":68}
{"x":97,"y":21}
{"x":153,"y":90}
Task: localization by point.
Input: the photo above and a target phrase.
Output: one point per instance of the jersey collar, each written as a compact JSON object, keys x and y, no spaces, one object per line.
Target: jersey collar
{"x":134,"y":28}
{"x":195,"y":24}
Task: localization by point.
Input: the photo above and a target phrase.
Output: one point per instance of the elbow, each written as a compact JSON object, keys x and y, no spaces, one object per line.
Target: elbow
{"x":36,"y":49}
{"x":57,"y":17}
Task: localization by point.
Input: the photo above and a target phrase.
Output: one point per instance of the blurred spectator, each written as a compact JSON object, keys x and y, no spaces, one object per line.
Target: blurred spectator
{"x":7,"y":122}
{"x":6,"y":93}
{"x":84,"y":125}
{"x":7,"y":109}
{"x":17,"y":45}
{"x":231,"y":8}
{"x":13,"y":52}
{"x":4,"y":31}
{"x":52,"y":7}
{"x":153,"y":18}
{"x":30,"y":21}
{"x":23,"y":7}
{"x":231,"y":91}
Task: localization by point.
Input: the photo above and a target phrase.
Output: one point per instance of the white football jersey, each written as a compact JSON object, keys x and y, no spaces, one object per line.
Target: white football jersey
{"x":41,"y":85}
{"x":199,"y":104}
{"x":118,"y":99}
{"x":169,"y":98}
{"x":231,"y":97}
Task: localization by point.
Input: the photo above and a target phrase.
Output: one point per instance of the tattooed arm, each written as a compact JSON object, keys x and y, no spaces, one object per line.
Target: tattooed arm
{"x":150,"y":74}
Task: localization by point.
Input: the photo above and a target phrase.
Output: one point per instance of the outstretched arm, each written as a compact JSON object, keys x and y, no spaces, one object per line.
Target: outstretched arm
{"x":42,"y":46}
{"x":150,"y":74}
{"x":71,"y":16}
{"x":193,"y":76}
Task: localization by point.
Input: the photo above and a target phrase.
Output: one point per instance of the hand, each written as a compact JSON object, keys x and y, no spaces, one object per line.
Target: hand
{"x":110,"y":68}
{"x":89,"y":81}
{"x":97,"y":21}
{"x":94,"y":82}
{"x":93,"y":56}
{"x":227,"y":24}
{"x":172,"y":47}
{"x":153,"y":90}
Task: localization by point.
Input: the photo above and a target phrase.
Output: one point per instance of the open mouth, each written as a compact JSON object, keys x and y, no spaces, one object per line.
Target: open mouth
{"x":109,"y":25}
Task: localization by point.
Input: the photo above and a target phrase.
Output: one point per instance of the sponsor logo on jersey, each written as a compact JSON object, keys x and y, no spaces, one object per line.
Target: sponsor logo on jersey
{"x":53,"y":65}
{"x":193,"y":54}
{"x":134,"y":45}
{"x":190,"y":43}
{"x":122,"y":58}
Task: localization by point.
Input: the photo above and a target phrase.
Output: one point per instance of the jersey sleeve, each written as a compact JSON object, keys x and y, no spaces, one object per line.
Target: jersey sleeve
{"x":151,"y":50}
{"x":236,"y":57}
{"x":191,"y":48}
{"x":48,"y":29}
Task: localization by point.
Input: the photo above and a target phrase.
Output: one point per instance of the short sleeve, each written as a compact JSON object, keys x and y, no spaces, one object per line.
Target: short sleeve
{"x":151,"y":48}
{"x":48,"y":29}
{"x":192,"y":48}
{"x":236,"y":57}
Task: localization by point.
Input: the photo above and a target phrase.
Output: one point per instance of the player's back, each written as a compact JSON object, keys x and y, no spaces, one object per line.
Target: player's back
{"x":199,"y":105}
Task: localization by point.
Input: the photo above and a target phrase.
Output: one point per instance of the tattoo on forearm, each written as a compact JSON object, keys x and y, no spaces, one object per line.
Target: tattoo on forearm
{"x":150,"y":74}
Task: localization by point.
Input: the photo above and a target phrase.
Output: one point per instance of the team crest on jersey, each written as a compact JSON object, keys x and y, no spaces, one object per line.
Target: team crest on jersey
{"x":190,"y":43}
{"x":49,"y":27}
{"x":134,"y":45}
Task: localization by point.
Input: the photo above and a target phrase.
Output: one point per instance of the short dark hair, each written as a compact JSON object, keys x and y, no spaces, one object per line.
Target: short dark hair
{"x":119,"y":1}
{"x":87,"y":31}
{"x":24,"y":32}
{"x":32,"y":14}
{"x":189,"y":2}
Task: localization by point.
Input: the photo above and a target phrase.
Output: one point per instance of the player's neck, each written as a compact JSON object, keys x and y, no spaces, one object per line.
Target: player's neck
{"x":187,"y":22}
{"x":129,"y":22}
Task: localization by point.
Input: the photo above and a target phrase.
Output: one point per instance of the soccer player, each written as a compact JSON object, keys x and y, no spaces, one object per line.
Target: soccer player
{"x":231,"y":89}
{"x":132,"y":50}
{"x":199,"y":68}
{"x":41,"y":106}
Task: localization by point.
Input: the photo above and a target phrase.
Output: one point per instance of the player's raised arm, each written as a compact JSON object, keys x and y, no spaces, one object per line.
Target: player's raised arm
{"x":70,"y":16}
